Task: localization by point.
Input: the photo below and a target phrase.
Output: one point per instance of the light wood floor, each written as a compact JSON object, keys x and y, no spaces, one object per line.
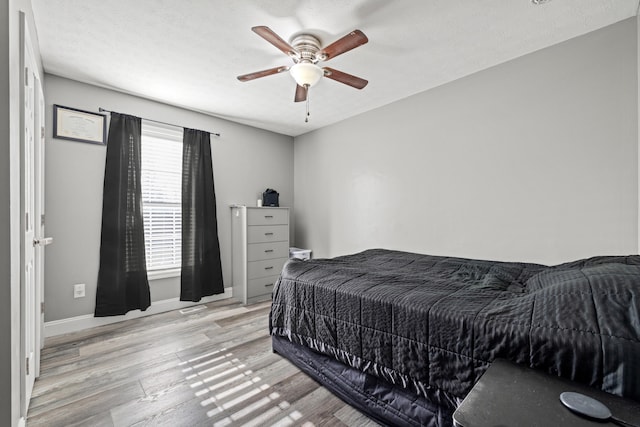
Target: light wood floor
{"x":212,"y":367}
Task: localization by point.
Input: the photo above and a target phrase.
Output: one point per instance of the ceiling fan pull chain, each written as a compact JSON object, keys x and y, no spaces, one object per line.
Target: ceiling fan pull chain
{"x":306,"y":119}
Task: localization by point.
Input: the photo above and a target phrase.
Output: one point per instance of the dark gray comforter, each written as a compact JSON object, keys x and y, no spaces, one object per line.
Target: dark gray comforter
{"x":433,"y":324}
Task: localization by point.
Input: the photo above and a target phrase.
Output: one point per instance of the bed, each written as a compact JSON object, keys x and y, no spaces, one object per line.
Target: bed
{"x":404,"y":336}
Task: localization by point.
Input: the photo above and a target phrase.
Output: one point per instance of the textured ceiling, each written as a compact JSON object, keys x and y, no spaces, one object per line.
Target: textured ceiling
{"x":189,"y":52}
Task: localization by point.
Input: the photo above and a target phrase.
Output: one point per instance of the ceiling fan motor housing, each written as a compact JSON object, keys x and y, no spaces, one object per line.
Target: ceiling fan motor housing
{"x":308,"y":47}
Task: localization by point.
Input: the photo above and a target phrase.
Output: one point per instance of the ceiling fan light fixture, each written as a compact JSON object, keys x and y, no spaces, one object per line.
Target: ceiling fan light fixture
{"x":306,"y":74}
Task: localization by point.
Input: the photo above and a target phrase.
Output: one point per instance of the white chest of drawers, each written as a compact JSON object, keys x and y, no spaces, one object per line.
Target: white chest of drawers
{"x":260,"y":241}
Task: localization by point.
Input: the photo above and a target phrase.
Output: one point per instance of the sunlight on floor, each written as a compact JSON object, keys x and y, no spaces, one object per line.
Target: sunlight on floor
{"x":219,"y":379}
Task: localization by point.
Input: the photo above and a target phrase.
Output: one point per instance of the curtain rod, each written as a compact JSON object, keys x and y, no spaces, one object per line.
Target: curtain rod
{"x":103,"y":110}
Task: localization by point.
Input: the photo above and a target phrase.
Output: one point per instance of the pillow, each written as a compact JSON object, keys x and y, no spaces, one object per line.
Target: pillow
{"x":602,"y":275}
{"x":599,"y":260}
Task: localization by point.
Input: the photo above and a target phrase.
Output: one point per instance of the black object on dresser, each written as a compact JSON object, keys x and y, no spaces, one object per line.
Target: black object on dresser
{"x":270,"y":198}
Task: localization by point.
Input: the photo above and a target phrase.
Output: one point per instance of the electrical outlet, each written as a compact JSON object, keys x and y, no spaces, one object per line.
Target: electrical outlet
{"x":78,"y":290}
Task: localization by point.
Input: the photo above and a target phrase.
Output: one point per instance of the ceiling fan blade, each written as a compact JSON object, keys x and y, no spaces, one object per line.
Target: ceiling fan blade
{"x":267,"y":34}
{"x":301,"y":94}
{"x":352,"y":40}
{"x":263,"y":73}
{"x":345,"y":78}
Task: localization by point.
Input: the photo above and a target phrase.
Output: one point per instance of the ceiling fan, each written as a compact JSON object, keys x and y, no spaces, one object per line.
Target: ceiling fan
{"x":306,"y":53}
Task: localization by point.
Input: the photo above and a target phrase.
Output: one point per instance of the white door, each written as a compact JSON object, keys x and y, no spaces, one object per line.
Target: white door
{"x":31,"y":261}
{"x":27,"y":279}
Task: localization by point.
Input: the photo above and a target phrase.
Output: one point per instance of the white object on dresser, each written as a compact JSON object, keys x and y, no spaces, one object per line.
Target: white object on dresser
{"x":298,"y":253}
{"x":260,"y":241}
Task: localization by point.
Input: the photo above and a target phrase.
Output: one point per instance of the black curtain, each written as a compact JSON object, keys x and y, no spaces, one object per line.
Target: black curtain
{"x":201,"y":273}
{"x":122,"y":278}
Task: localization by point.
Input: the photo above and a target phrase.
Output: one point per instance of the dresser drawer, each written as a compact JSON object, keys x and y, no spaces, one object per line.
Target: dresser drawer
{"x":265,"y":268}
{"x":267,"y":233}
{"x":266,"y":216}
{"x":260,"y":251}
{"x":261,"y":286}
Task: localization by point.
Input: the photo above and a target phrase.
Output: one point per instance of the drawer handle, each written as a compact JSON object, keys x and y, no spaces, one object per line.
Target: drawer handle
{"x":268,"y":234}
{"x":268,"y":216}
{"x":268,"y":250}
{"x":269,"y":268}
{"x":268,"y":284}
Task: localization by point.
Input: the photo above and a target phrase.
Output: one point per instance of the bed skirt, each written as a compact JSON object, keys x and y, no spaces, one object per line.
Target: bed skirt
{"x":375,"y":397}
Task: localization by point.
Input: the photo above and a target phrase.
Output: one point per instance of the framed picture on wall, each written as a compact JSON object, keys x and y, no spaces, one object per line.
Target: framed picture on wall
{"x":79,"y":125}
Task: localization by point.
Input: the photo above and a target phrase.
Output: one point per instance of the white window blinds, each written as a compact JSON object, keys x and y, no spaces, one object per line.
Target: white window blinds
{"x":161,"y":195}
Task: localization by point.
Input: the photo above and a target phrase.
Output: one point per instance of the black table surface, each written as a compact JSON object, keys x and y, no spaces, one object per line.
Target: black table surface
{"x":512,"y":395}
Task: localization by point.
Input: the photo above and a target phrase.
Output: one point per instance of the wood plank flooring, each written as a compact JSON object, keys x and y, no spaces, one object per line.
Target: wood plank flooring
{"x":212,"y":367}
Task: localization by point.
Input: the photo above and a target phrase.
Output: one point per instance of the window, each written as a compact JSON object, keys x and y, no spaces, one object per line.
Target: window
{"x":162,"y":198}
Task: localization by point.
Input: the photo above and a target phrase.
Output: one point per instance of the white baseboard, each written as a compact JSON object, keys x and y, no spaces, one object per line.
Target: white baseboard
{"x":78,"y":323}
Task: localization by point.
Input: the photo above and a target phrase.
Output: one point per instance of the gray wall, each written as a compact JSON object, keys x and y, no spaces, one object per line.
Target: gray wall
{"x":535,"y":160}
{"x":246,"y":160}
{"x":10,"y":203}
